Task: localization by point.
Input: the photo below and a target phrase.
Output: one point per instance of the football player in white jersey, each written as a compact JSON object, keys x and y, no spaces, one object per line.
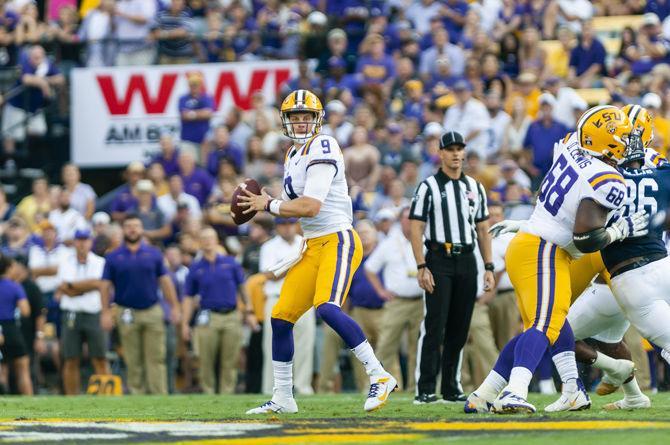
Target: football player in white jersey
{"x":576,"y":196}
{"x":315,"y":190}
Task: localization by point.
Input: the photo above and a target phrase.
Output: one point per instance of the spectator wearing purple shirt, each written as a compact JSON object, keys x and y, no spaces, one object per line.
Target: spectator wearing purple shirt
{"x":355,"y":15}
{"x":222,"y":148}
{"x":659,"y":7}
{"x":510,"y":18}
{"x":541,"y":137}
{"x":338,"y":78}
{"x":651,"y":47}
{"x":8,"y":22}
{"x":125,"y":198}
{"x":195,"y":110}
{"x":362,"y":294}
{"x":218,"y":279}
{"x":14,"y":349}
{"x":168,"y":155}
{"x":454,"y":18}
{"x":587,"y":59}
{"x":38,"y":76}
{"x":442,"y":79}
{"x":337,"y":47}
{"x":375,"y":66}
{"x":136,"y":271}
{"x":415,"y":103}
{"x":197,"y":181}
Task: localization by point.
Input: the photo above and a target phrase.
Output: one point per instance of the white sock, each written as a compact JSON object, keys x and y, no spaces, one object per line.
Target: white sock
{"x":492,"y":385}
{"x":519,"y":380}
{"x":567,"y":368}
{"x":605,"y":362}
{"x":367,"y":357}
{"x":283,"y":373}
{"x":631,"y":389}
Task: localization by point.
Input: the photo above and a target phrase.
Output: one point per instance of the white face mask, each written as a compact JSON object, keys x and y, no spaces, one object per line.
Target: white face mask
{"x":289,"y":128}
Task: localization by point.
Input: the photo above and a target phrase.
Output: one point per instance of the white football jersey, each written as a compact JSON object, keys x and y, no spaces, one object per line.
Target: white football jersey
{"x":573,"y":177}
{"x":336,"y":211}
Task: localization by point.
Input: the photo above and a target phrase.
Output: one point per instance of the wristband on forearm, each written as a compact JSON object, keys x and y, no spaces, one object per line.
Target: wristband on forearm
{"x":274,"y":206}
{"x":421,"y":266}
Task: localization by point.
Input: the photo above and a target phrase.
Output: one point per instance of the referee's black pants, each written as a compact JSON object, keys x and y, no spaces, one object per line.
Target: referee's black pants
{"x":444,"y":330}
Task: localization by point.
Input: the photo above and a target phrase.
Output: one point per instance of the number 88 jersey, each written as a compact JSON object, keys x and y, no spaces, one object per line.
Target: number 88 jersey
{"x":572,"y":177}
{"x":336,"y":210}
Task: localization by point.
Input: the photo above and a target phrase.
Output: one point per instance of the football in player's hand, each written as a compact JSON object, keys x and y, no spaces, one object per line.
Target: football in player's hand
{"x":236,"y":210}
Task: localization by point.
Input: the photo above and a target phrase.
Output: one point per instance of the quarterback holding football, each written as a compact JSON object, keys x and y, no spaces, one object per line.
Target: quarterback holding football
{"x":315,"y":190}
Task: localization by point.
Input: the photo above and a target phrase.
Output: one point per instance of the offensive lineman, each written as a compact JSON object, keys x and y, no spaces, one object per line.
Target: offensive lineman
{"x":569,"y":219}
{"x":315,"y":190}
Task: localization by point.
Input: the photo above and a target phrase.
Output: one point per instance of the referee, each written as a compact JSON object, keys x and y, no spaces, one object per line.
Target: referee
{"x":448,"y":216}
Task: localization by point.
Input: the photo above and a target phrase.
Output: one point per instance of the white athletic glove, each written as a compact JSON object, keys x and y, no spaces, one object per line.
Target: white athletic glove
{"x":507,"y":226}
{"x":631,"y":226}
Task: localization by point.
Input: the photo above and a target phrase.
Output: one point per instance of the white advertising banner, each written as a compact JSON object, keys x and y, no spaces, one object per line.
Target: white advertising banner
{"x":117,"y":113}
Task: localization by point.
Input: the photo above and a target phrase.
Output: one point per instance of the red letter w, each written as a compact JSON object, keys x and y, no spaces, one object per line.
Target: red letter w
{"x":137,"y":83}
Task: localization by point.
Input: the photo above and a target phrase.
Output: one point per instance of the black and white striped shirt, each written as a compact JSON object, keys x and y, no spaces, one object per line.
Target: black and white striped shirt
{"x":450,"y":208}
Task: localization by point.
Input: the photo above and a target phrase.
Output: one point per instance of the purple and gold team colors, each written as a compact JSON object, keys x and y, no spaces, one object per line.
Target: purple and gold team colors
{"x":322,"y":276}
{"x":334,"y":249}
{"x":314,"y":169}
{"x":539,"y":256}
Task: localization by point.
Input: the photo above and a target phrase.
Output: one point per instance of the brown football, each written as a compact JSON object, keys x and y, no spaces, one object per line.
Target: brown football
{"x":236,"y":209}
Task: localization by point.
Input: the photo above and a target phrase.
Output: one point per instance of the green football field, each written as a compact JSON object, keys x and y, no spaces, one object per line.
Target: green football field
{"x":322,"y":419}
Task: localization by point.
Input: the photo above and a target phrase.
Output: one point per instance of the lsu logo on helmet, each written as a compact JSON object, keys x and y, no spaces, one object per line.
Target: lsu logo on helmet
{"x":603,"y":132}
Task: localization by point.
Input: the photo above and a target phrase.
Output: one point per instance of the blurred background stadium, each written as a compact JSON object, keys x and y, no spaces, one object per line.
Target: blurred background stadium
{"x":161,"y":107}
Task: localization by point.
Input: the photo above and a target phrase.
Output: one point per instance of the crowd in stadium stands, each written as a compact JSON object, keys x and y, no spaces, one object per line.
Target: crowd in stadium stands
{"x":511,"y":76}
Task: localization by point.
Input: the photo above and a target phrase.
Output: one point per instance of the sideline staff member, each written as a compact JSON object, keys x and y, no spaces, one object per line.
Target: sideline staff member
{"x":79,"y":275}
{"x":218,"y":279}
{"x":449,"y":214}
{"x":136,"y":270}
